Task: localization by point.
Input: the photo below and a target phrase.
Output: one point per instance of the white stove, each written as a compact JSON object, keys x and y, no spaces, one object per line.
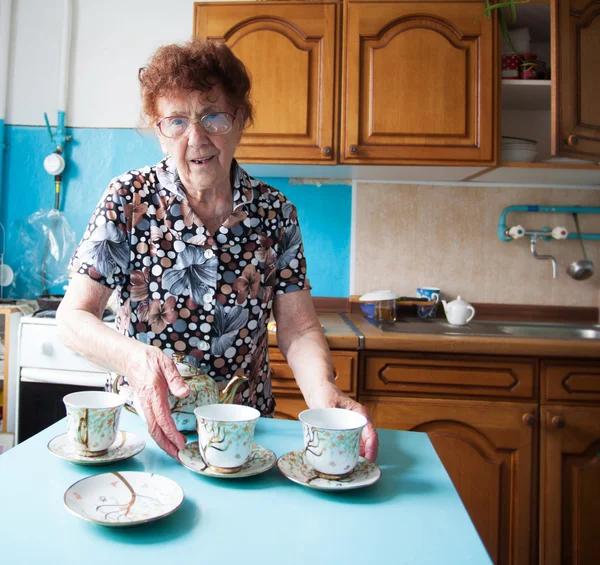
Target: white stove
{"x":44,"y":361}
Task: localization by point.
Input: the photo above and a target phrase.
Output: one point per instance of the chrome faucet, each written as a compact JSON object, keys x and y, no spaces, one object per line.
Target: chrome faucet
{"x":547,"y":257}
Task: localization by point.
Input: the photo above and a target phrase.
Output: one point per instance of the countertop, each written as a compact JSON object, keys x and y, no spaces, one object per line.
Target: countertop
{"x":340,"y":335}
{"x":375,"y":339}
{"x":413,"y":515}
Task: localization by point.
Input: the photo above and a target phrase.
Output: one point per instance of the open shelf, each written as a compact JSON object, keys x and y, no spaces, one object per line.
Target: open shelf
{"x":526,"y":94}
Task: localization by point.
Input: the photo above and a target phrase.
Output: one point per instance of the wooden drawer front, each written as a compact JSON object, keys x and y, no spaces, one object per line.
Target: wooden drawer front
{"x":344,"y":365}
{"x":570,"y":380}
{"x":463,"y":376}
{"x":288,"y":407}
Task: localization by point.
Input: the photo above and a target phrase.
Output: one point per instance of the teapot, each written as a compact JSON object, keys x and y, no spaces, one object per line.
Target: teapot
{"x":458,"y":312}
{"x":203,"y":390}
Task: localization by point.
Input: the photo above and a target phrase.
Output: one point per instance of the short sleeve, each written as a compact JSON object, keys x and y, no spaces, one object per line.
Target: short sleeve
{"x":290,"y":268}
{"x":104,"y":251}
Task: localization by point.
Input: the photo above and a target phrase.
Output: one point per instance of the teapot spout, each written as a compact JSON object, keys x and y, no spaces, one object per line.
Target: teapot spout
{"x":444,"y":303}
{"x":227,"y":395}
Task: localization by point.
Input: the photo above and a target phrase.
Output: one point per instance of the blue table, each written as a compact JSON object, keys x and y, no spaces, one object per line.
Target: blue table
{"x":413,"y":515}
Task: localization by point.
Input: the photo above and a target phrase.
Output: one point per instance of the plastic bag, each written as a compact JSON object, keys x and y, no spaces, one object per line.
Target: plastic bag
{"x":47,"y":242}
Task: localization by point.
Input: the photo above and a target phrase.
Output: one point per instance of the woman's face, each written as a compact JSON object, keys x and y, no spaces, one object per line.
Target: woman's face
{"x":203,"y":161}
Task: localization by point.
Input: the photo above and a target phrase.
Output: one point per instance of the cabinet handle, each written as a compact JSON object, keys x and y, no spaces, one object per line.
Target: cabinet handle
{"x":572,"y":140}
{"x":326,"y":151}
{"x":558,"y":422}
{"x":528,"y":419}
{"x":353,"y":149}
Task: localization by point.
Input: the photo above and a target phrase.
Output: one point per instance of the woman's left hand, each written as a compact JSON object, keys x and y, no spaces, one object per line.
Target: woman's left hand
{"x":330,"y":396}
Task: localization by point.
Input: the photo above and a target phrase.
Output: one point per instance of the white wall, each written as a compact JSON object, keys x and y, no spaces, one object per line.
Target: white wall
{"x":111,"y":40}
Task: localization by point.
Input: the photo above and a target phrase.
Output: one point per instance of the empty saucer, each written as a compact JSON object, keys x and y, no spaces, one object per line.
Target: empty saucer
{"x":123,"y":499}
{"x":261,"y":459}
{"x":126,"y":445}
{"x":292,"y":465}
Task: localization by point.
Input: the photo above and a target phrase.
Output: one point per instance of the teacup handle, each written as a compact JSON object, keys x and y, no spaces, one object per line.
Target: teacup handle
{"x":435,"y":296}
{"x":81,"y":434}
{"x":472,"y":313}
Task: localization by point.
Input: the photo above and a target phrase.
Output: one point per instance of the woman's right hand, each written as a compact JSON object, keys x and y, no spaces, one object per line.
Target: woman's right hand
{"x":152,"y":374}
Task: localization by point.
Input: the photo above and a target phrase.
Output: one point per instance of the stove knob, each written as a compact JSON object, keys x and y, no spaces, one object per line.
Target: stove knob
{"x":46,"y":348}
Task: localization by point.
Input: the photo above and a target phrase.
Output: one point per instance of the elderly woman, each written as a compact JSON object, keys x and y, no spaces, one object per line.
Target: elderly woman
{"x":200,"y":253}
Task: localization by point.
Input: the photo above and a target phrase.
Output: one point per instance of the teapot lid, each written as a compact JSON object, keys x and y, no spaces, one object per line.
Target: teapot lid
{"x":459,"y":300}
{"x":185,"y":369}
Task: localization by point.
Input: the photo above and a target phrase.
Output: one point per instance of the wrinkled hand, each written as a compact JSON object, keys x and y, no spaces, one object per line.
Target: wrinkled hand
{"x":330,"y":396}
{"x":152,"y":374}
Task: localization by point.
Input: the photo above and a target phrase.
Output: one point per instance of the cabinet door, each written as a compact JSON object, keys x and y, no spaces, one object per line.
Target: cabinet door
{"x":419,"y":83}
{"x":488,"y":451}
{"x":291,"y":54}
{"x":570,"y":486}
{"x":576,"y":64}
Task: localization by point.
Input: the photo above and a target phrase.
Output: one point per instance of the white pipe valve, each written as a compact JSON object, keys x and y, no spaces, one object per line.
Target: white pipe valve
{"x":516,"y":232}
{"x":560,"y":233}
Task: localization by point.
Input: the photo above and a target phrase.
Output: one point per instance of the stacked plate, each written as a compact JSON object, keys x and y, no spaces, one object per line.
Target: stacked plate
{"x":517,"y":149}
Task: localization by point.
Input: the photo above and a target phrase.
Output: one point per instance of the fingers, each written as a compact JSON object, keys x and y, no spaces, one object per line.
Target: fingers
{"x":369,"y":442}
{"x":161,"y":426}
{"x":176,"y":384}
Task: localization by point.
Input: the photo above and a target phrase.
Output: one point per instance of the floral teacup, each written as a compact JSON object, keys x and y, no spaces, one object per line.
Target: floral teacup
{"x":225,"y":435}
{"x":92,"y":421}
{"x":332,"y":440}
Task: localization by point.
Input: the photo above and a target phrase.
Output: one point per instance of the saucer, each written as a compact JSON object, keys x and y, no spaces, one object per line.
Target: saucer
{"x":126,"y":445}
{"x":123,"y":499}
{"x":292,"y":465}
{"x":261,"y":459}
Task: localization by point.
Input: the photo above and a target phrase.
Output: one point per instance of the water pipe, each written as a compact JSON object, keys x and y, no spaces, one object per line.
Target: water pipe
{"x":503,"y":228}
{"x":5,"y":20}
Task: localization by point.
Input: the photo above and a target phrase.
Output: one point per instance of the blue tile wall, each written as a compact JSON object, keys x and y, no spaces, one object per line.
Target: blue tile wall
{"x":94,"y":156}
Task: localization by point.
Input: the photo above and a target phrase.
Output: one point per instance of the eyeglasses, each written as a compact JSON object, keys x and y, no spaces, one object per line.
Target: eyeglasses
{"x":215,"y":123}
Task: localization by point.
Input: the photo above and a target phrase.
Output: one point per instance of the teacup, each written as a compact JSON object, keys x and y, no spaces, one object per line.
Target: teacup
{"x":332,"y":440}
{"x":433,"y":295}
{"x":225,"y":435}
{"x":92,"y":421}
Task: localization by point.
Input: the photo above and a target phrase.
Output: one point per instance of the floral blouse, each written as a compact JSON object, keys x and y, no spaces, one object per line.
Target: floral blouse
{"x":183,"y":289}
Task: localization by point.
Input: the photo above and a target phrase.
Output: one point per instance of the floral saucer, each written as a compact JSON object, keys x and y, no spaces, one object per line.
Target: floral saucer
{"x":123,"y":499}
{"x":126,"y":445}
{"x":293,"y":466}
{"x":261,"y":459}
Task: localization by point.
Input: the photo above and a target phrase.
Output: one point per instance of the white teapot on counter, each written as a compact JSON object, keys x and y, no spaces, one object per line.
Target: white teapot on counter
{"x":458,"y":312}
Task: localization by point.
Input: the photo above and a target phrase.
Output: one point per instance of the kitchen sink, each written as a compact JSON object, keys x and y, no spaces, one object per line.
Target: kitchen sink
{"x":488,"y":328}
{"x":552,"y":331}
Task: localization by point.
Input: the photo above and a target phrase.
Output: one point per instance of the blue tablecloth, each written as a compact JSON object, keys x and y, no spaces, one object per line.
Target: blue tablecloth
{"x":413,"y":515}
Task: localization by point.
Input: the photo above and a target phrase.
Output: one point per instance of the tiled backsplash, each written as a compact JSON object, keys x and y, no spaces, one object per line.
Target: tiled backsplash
{"x":418,"y":235}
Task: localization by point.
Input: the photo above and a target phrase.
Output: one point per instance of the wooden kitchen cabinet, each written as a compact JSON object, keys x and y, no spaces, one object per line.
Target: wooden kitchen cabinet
{"x":419,"y":83}
{"x":9,"y":324}
{"x":570,"y":461}
{"x":291,"y":50}
{"x":576,"y":88}
{"x":419,"y":80}
{"x":570,"y":485}
{"x":289,"y":400}
{"x":489,"y":451}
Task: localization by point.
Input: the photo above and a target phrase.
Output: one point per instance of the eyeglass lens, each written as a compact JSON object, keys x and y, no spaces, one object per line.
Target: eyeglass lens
{"x":218,"y":123}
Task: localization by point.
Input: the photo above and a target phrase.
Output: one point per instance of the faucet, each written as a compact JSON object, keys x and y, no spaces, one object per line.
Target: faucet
{"x":548,"y":257}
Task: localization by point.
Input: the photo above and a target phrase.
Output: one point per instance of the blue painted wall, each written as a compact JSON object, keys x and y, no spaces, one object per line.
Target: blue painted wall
{"x":95,"y":156}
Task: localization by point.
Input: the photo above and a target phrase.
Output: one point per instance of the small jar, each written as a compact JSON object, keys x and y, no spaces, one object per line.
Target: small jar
{"x":385,"y":310}
{"x":527,"y":68}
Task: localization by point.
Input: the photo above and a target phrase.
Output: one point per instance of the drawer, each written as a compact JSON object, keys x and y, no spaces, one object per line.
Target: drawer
{"x":345,"y":365}
{"x":570,"y":380}
{"x":41,"y":348}
{"x":288,"y":407}
{"x":468,"y":376}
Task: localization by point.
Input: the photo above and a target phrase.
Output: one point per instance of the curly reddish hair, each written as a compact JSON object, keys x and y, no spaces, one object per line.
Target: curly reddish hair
{"x":195,"y":65}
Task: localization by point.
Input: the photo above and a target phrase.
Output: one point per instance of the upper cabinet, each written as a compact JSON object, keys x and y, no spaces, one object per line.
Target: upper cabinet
{"x":418,"y":83}
{"x":418,"y":80}
{"x":576,"y":38}
{"x":291,"y":52}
